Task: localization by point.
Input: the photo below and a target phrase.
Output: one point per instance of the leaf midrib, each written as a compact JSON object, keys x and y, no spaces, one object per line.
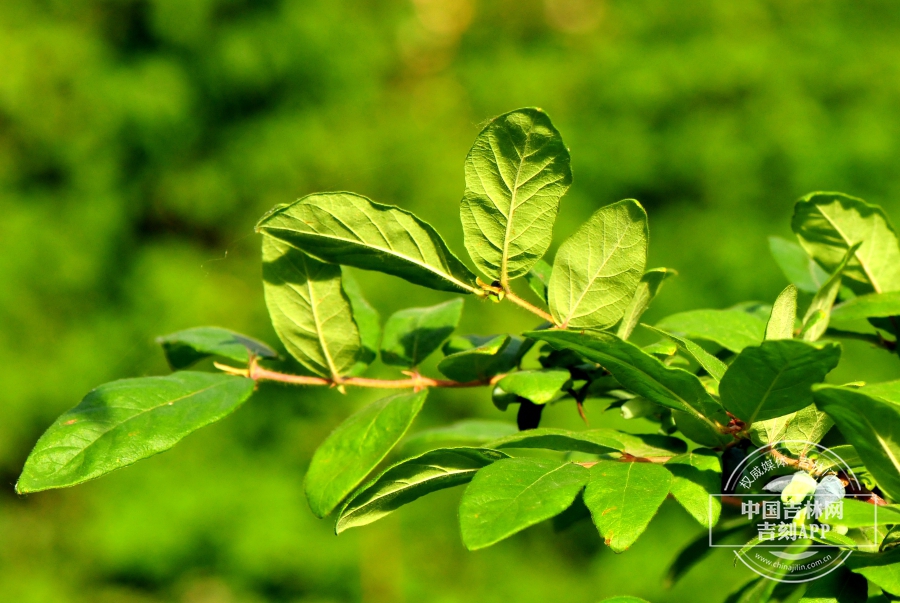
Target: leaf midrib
{"x":859,"y":258}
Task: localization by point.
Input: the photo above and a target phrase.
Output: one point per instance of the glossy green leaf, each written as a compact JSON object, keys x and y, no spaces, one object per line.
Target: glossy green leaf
{"x":597,"y":269}
{"x":712,"y":365}
{"x":696,"y":475}
{"x":469,"y":432}
{"x":538,"y":278}
{"x":516,"y":173}
{"x":411,"y":335}
{"x":349,"y":229}
{"x":538,"y":386}
{"x":774,"y":378}
{"x":873,"y":305}
{"x":412,"y":479}
{"x":803,"y":426}
{"x":839,"y":586}
{"x":593,"y":441}
{"x":623,"y":498}
{"x":649,"y":446}
{"x":783,"y":316}
{"x":828,"y":224}
{"x":640,"y":372}
{"x":309,"y":309}
{"x":818,"y":315}
{"x":367,"y":321}
{"x":732,"y":329}
{"x":796,"y":265}
{"x":886,"y":390}
{"x":882,"y":569}
{"x":497,"y":355}
{"x":184,"y":348}
{"x":872,"y":426}
{"x":513,"y":494}
{"x":647,"y":289}
{"x":356,"y":447}
{"x":122,"y":422}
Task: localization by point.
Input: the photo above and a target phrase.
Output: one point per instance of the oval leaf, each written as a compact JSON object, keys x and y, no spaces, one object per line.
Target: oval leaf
{"x":309,"y":310}
{"x":594,"y":441}
{"x":828,"y":224}
{"x":516,"y":173}
{"x":470,"y":432}
{"x":122,"y":422}
{"x":411,"y":335}
{"x":646,"y":290}
{"x":783,"y":316}
{"x":184,"y":348}
{"x":774,"y":379}
{"x":597,"y":270}
{"x":497,"y":355}
{"x":349,"y":229}
{"x":697,"y":475}
{"x":872,"y":425}
{"x":623,"y":498}
{"x":796,"y":265}
{"x":356,"y":447}
{"x":538,"y":386}
{"x":412,"y":479}
{"x":873,"y":305}
{"x":732,"y":329}
{"x":367,"y":321}
{"x":513,"y":494}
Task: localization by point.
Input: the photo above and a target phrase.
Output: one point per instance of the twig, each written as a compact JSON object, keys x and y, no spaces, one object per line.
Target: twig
{"x":528,"y":306}
{"x":416,"y":381}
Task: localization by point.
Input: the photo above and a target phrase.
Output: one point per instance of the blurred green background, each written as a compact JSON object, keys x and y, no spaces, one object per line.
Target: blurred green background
{"x":141,"y":139}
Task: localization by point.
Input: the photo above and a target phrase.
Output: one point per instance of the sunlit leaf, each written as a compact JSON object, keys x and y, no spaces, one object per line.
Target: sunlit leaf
{"x":797,"y":266}
{"x":349,"y":229}
{"x":538,"y":277}
{"x":309,"y":309}
{"x":828,"y":224}
{"x":367,"y":321}
{"x":469,"y":432}
{"x":647,"y":289}
{"x":497,"y":355}
{"x":623,"y":498}
{"x":818,"y":315}
{"x":593,"y":441}
{"x":122,"y":422}
{"x":356,"y":447}
{"x":596,"y":270}
{"x":798,"y":430}
{"x":882,"y":569}
{"x":712,"y":365}
{"x":873,"y":305}
{"x":516,"y":173}
{"x":513,"y":494}
{"x":538,"y":386}
{"x":783,"y":316}
{"x":697,"y":475}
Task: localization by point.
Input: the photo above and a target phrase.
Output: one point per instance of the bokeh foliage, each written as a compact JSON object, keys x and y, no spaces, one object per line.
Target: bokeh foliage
{"x":141,"y":140}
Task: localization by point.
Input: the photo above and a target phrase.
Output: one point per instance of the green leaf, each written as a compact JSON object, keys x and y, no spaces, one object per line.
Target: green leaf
{"x":712,"y":365}
{"x":818,"y":315}
{"x":516,"y":173}
{"x":412,"y":479}
{"x":697,"y":549}
{"x":828,"y":224}
{"x":647,"y":289}
{"x":623,"y":498}
{"x":840,"y":586}
{"x":774,"y":379}
{"x":184,"y":348}
{"x":640,"y":372}
{"x":356,"y":447}
{"x":873,"y":305}
{"x":411,"y":335}
{"x":538,"y":278}
{"x":732,"y":329}
{"x":367,"y":321}
{"x":498,"y":355}
{"x":597,"y":269}
{"x":470,"y":432}
{"x":872,"y":426}
{"x":309,"y":310}
{"x":513,"y":494}
{"x":648,"y":446}
{"x":594,"y":441}
{"x":538,"y":386}
{"x":887,"y":390}
{"x":796,"y":265}
{"x":860,"y":514}
{"x":122,"y":422}
{"x":349,"y":229}
{"x":882,"y":569}
{"x":783,"y":316}
{"x":803,"y":426}
{"x":624,"y":600}
{"x":696,"y":475}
